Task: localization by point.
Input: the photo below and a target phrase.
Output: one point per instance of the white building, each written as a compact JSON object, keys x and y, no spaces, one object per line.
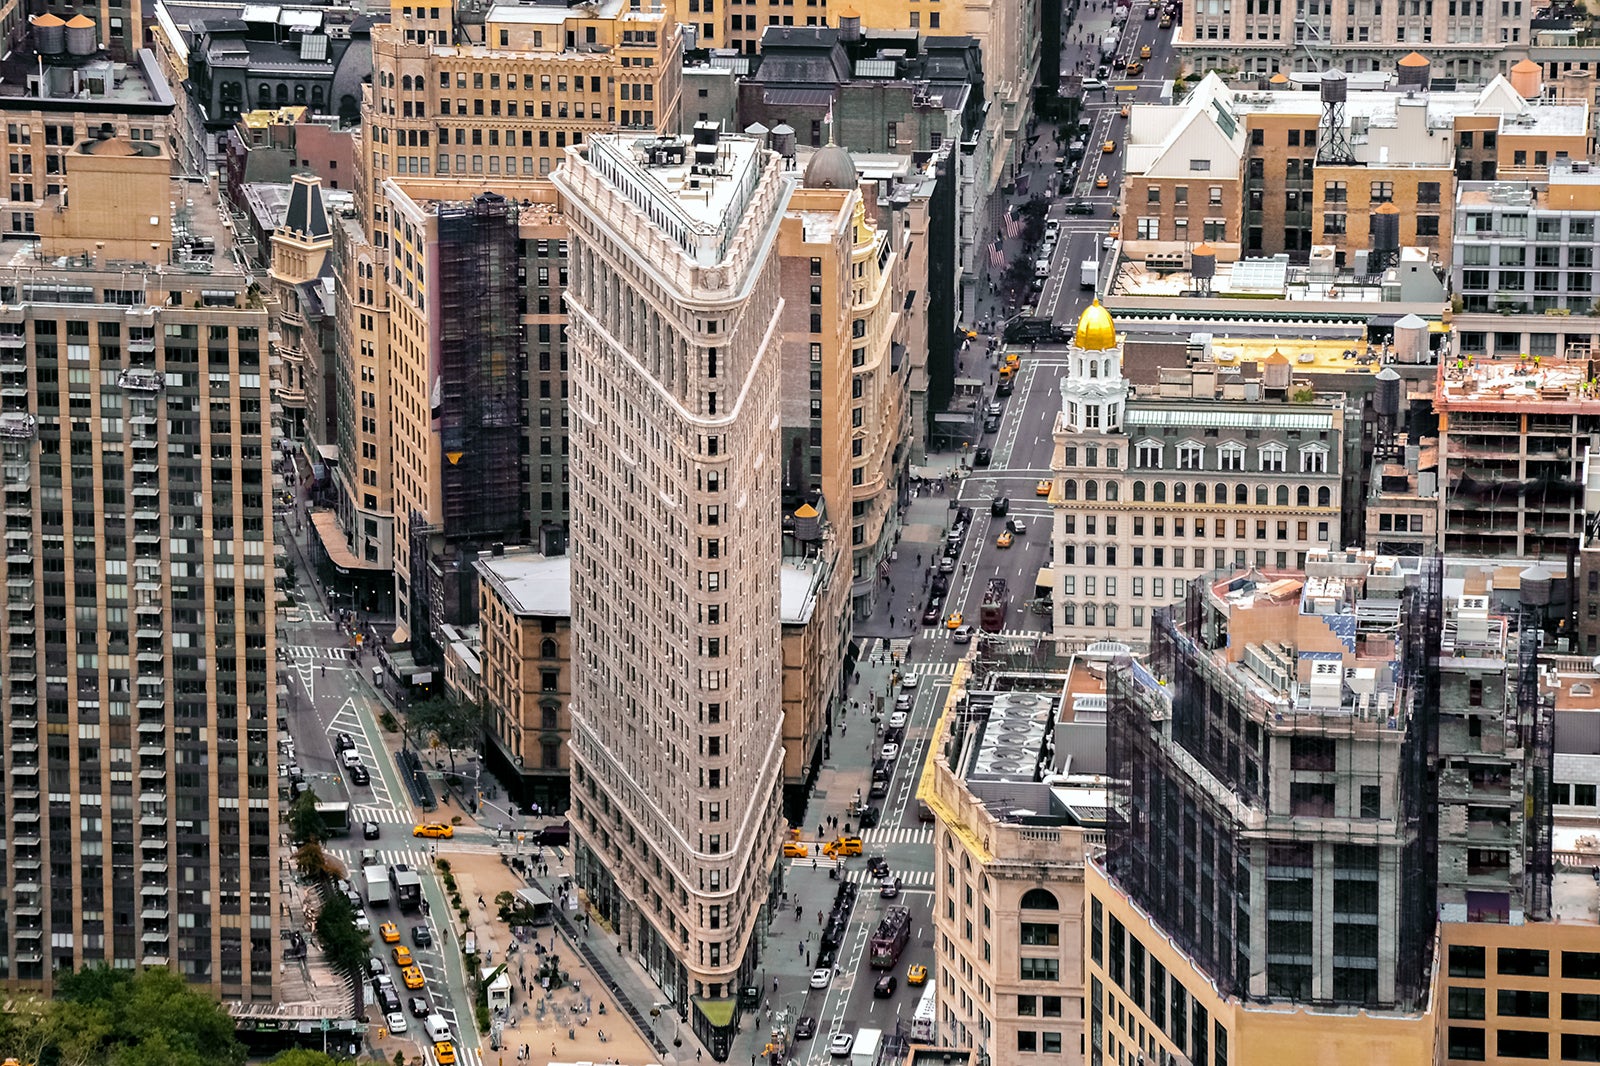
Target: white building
{"x":1212,"y":466}
{"x":677,"y":703}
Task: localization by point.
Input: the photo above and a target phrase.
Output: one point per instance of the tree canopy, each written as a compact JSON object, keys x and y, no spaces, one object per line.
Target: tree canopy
{"x":123,"y":1018}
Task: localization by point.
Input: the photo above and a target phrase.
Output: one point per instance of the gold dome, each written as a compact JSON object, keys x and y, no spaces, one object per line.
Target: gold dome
{"x":1096,"y":332}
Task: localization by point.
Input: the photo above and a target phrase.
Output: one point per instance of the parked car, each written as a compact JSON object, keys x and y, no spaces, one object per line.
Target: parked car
{"x":343,"y":742}
{"x":805,"y":1028}
{"x":821,"y":977}
{"x":991,"y":424}
{"x":868,"y":817}
{"x":982,"y":457}
{"x":359,"y":775}
{"x":931,"y":615}
{"x":909,"y":681}
{"x":897,"y":720}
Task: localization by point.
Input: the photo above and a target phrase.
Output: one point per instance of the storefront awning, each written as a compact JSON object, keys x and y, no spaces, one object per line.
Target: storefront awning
{"x":331,"y":537}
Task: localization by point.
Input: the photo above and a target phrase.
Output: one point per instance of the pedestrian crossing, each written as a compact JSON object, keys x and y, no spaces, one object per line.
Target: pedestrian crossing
{"x":381,"y":815}
{"x":936,"y":632}
{"x":908,"y":878}
{"x":416,"y":858}
{"x":894,"y":834}
{"x":939,"y":669}
{"x":303,"y":652}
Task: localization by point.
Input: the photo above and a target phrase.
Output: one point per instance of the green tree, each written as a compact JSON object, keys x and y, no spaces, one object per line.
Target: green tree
{"x":455,"y":723}
{"x":305,"y":821}
{"x":300,"y":1056}
{"x":346,"y":947}
{"x":122,"y":1018}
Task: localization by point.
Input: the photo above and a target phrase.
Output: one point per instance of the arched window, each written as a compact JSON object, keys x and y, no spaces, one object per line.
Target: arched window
{"x":1283,"y":495}
{"x":317,"y":97}
{"x":1221,"y":495}
{"x":1161,"y":492}
{"x":1094,"y":368}
{"x":1069,"y":489}
{"x":405,"y":82}
{"x":1180,"y":492}
{"x":283,"y":92}
{"x":1302,"y":497}
{"x":1039,"y":899}
{"x":1324,"y":497}
{"x":1111,"y":490}
{"x":548,"y":648}
{"x":300,"y":94}
{"x":264,"y":95}
{"x":1261,"y":495}
{"x":1241,"y":494}
{"x":1091,"y":489}
{"x":1199,"y":492}
{"x":1138,"y":492}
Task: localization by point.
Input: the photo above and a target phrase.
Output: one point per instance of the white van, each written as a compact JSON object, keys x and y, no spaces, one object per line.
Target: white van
{"x":436,"y":1027}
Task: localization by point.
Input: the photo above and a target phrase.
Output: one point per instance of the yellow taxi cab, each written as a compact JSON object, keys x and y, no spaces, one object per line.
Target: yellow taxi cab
{"x":433,"y":829}
{"x":1100,"y":181}
{"x":1004,"y":539}
{"x":1135,"y":68}
{"x":1144,"y":52}
{"x":1109,"y":147}
{"x":1042,"y":488}
{"x":1125,"y":111}
{"x":793,"y":850}
{"x":389,"y":932}
{"x":848,"y":845}
{"x":917,"y":975}
{"x":402,"y":955}
{"x":1006,"y":371}
{"x":954,"y":621}
{"x":445,"y":1052}
{"x":1013,"y":360}
{"x":412,"y":976}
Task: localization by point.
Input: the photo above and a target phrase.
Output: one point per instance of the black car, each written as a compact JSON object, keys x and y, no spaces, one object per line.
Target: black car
{"x":420,"y":1007}
{"x":991,"y":424}
{"x":878,"y":791}
{"x":868,"y":817}
{"x":931,"y":615}
{"x":1004,"y":388}
{"x":342,"y":742}
{"x":885,"y":986}
{"x":941,"y":584}
{"x":360,"y":775}
{"x":999,"y":506}
{"x":805,"y":1028}
{"x":982,"y":457}
{"x":964,"y":515}
{"x":1080,"y":207}
{"x":389,"y":998}
{"x":370,"y":831}
{"x":422,"y":936}
{"x":877,"y":866}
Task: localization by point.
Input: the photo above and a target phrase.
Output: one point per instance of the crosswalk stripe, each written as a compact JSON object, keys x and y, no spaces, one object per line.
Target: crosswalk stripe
{"x":922,"y":834}
{"x":382,"y":815}
{"x":908,"y":878}
{"x":311,"y":651}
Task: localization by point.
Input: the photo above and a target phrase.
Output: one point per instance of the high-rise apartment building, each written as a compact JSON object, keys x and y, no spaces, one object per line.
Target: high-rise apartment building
{"x":138,"y":698}
{"x":677,"y":729}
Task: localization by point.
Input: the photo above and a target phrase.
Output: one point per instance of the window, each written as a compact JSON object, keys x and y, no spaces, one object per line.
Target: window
{"x":1466,"y":1003}
{"x":1382,"y":192}
{"x":1334,"y":192}
{"x":1522,"y":1044}
{"x":1191,"y":456}
{"x":1466,"y":1043}
{"x":1522,"y":1003}
{"x":1040,"y":969}
{"x":1517,"y":962}
{"x":1314,"y":459}
{"x":1273,"y":457}
{"x":1578,"y":965}
{"x":1230,"y":456}
{"x":1148,"y":454}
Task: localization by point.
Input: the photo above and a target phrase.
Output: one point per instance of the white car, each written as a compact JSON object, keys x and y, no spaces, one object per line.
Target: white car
{"x":908,"y":681}
{"x":363,"y":923}
{"x":897,"y":720}
{"x":397,"y":1022}
{"x":841,"y":1044}
{"x":821,"y":977}
{"x":350,"y":757}
{"x":889,"y":752}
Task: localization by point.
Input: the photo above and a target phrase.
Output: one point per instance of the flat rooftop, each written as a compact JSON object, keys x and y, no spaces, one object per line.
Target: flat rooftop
{"x":797,"y":584}
{"x":533,"y":584}
{"x":546,"y":14}
{"x":696,"y":192}
{"x":95,"y":85}
{"x":1533,"y":382}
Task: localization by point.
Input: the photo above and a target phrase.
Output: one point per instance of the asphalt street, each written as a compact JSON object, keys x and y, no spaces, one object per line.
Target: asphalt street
{"x":898,"y":639}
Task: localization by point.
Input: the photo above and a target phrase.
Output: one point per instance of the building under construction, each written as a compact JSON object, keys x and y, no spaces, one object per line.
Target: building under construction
{"x":1272,"y":782}
{"x":475,"y":403}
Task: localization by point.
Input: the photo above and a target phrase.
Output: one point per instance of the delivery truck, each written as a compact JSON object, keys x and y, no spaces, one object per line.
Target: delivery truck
{"x":1088,"y":274}
{"x":377,"y":878}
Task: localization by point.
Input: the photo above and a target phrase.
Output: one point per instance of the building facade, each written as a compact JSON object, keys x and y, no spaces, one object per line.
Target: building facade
{"x":676,"y":755}
{"x":1155,"y":485}
{"x":139,"y":696}
{"x":1528,"y":247}
{"x":525,"y":629}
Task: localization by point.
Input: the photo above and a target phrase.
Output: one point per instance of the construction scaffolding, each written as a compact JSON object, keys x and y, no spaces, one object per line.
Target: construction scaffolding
{"x":1200,"y":837}
{"x":477,"y":402}
{"x":1536,"y":725}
